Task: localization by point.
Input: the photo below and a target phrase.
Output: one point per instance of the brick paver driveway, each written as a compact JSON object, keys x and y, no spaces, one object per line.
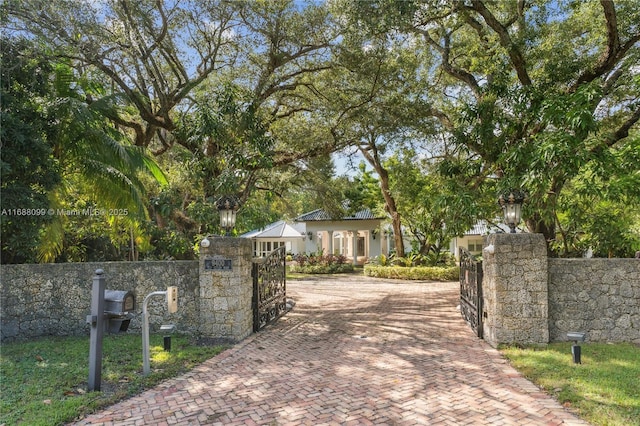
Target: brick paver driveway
{"x":354,"y":351}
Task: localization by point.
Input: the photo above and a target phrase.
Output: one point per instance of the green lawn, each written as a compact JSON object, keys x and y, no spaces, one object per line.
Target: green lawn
{"x":44,"y":382}
{"x":603,"y":390}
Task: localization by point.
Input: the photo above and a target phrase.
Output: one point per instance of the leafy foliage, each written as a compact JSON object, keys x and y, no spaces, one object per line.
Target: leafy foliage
{"x":319,"y":263}
{"x":524,"y":97}
{"x":28,"y":167}
{"x":427,"y":273}
{"x":436,"y":208}
{"x":449,"y":103}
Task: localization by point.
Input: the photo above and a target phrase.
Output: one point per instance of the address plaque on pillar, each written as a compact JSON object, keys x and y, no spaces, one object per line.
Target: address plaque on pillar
{"x":217,"y":263}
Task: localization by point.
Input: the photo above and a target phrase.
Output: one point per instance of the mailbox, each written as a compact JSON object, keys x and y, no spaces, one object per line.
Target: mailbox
{"x":118,"y":309}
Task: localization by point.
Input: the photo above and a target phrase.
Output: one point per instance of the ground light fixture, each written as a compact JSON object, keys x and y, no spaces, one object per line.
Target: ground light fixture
{"x":511,"y":203}
{"x":168,"y":329}
{"x":576,"y":336}
{"x":228,"y":206}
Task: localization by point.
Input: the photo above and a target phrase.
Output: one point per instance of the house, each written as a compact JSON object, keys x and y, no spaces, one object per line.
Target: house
{"x":357,"y":236}
{"x":276,"y":235}
{"x":472,"y":239}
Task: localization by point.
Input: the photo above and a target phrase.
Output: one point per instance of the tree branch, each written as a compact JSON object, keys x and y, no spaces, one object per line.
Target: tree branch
{"x":456,"y":72}
{"x":517,"y":59}
{"x":614,"y":50}
{"x":608,"y":58}
{"x":623,"y":130}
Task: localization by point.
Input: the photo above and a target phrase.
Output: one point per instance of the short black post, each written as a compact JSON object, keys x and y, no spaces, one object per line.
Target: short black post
{"x":170,"y":328}
{"x":575,"y":350}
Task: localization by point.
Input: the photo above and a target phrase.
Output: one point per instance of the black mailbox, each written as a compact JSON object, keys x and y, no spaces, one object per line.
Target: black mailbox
{"x":118,"y":309}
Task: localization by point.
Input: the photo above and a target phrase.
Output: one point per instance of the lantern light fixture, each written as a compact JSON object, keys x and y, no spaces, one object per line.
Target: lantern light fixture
{"x":228,"y":206}
{"x":511,"y":203}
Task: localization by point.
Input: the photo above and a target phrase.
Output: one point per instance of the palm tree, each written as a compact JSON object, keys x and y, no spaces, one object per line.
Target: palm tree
{"x":96,"y":159}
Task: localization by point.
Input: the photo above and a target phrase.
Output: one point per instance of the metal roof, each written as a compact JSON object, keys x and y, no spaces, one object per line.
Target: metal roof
{"x":482,"y":227}
{"x":321,"y":214}
{"x":276,"y":230}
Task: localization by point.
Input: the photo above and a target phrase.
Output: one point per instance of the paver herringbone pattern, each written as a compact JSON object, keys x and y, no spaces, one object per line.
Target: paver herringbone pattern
{"x":352,"y":352}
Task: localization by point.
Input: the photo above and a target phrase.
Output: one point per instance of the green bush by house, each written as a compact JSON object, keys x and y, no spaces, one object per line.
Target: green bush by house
{"x":414,"y":266}
{"x":430,"y":273}
{"x":322,"y":269}
{"x":319,"y":263}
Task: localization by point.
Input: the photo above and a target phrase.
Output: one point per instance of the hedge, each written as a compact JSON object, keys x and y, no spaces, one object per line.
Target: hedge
{"x":430,"y":273}
{"x":334,"y":268}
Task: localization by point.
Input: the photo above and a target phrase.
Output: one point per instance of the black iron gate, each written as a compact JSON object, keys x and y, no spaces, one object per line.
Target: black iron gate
{"x":269,"y":288}
{"x":471,"y":290}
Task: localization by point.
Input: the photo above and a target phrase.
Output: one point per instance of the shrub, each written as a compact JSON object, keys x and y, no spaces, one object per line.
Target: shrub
{"x":430,"y":273}
{"x":321,"y":264}
{"x":322,"y":269}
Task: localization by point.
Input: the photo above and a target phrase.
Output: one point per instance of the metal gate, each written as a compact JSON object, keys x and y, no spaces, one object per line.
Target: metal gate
{"x":269,"y":288}
{"x":471,"y":290}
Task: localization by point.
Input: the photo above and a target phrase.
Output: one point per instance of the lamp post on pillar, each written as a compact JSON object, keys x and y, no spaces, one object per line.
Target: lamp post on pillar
{"x":511,"y":203}
{"x":228,"y":206}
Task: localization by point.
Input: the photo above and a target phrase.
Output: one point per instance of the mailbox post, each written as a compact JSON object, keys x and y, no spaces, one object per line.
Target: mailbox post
{"x":109,"y":311}
{"x":96,"y":319}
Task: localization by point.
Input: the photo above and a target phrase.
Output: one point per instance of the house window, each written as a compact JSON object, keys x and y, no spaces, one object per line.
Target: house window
{"x":475,"y":246}
{"x":267,"y":247}
{"x":361,"y":246}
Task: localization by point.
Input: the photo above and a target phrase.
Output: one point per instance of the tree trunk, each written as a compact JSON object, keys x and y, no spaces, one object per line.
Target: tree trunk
{"x":390,"y":207}
{"x":370,"y":153}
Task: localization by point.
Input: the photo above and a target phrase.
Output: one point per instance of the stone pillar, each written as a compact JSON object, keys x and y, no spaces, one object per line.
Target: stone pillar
{"x":515,"y":289}
{"x":226,"y":289}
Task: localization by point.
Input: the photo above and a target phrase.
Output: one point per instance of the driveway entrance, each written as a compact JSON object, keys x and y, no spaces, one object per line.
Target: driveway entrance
{"x":354,"y":351}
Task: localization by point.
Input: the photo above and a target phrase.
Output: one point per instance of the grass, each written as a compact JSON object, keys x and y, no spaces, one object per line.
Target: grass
{"x":44,"y":381}
{"x":603,"y":390}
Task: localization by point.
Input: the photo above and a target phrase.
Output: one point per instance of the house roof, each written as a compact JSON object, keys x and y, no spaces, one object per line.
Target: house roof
{"x":278,"y":229}
{"x":482,"y":227}
{"x":320,"y":214}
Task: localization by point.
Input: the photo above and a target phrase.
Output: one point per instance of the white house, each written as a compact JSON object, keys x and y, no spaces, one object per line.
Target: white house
{"x":276,"y":235}
{"x":472,"y":239}
{"x":357,"y":237}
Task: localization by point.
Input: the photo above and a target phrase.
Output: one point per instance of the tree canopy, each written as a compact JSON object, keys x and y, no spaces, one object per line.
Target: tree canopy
{"x":531,"y":92}
{"x":450,"y":102}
